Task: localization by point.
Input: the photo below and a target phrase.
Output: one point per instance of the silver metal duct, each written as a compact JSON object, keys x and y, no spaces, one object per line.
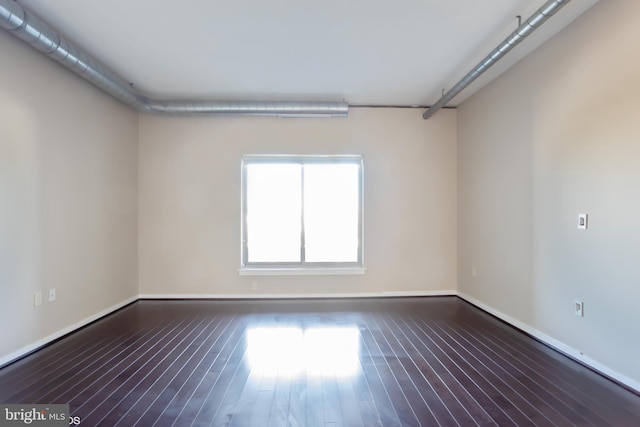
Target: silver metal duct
{"x":44,"y":38}
{"x":522,"y":32}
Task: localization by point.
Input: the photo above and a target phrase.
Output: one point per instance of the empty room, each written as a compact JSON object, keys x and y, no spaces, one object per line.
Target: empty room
{"x":298,"y":213}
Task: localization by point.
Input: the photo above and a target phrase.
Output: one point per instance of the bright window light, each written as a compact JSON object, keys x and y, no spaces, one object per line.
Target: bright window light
{"x":274,"y":212}
{"x":302,"y":211}
{"x":331,"y":212}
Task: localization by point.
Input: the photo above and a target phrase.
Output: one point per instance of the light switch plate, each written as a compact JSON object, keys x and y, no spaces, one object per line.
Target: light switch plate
{"x":578,"y":308}
{"x":582,"y":221}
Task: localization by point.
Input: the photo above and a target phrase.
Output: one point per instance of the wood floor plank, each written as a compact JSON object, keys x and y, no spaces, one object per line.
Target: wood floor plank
{"x":313,"y":409}
{"x":380,"y":395}
{"x":418,"y":362}
{"x":389,"y":380}
{"x":546,"y":388}
{"x":298,"y":403}
{"x":349,"y":403}
{"x":579,"y":386}
{"x":190,"y":397}
{"x":449,"y":370}
{"x":126,"y":391}
{"x":94,"y":369}
{"x":436,"y":389}
{"x":438,"y":384}
{"x":177,"y":392}
{"x":218,"y":407}
{"x":331,"y":403}
{"x":279,"y":412}
{"x":47,"y":369}
{"x":158,"y":378}
{"x":527,"y":401}
{"x":504,"y":390}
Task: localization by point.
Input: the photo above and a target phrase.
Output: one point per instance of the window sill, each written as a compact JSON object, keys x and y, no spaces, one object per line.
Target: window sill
{"x":302,"y":271}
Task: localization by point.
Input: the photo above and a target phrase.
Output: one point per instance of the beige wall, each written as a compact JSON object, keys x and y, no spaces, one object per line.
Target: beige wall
{"x":190,"y":201}
{"x":104,"y":205}
{"x":558,"y":135}
{"x":68,"y":199}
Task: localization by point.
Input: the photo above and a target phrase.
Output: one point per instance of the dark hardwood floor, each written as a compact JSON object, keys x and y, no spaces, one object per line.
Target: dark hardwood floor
{"x":360,"y":362}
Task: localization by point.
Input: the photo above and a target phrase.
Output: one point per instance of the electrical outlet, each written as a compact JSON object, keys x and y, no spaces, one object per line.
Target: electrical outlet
{"x":254,"y":286}
{"x":578,"y":308}
{"x":37,"y":299}
{"x":52,"y":294}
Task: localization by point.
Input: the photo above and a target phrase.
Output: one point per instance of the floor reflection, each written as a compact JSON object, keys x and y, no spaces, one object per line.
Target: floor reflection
{"x":315,"y":351}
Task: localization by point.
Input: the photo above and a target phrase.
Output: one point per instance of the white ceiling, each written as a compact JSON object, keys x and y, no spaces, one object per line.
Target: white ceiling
{"x":371,"y":52}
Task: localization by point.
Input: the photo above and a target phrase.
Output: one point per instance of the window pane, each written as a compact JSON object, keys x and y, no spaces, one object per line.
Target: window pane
{"x":273,"y":212}
{"x":331,"y":204}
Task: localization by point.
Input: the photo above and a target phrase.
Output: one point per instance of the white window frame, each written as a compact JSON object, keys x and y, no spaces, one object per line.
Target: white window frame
{"x":301,"y":268}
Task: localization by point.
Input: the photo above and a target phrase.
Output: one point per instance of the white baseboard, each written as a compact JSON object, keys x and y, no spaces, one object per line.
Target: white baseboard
{"x":11,"y":357}
{"x":301,"y":296}
{"x":555,"y":344}
{"x":5,"y":360}
{"x":558,"y":345}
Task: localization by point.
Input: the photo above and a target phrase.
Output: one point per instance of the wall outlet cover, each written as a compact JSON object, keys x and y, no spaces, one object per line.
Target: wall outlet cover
{"x":37,"y":299}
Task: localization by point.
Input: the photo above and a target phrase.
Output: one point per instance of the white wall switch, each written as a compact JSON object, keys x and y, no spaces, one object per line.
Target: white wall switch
{"x":582,"y":221}
{"x":578,"y":308}
{"x":52,"y":294}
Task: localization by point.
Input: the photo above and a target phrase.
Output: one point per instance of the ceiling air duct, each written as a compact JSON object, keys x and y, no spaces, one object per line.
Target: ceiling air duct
{"x":522,"y":32}
{"x":44,"y":38}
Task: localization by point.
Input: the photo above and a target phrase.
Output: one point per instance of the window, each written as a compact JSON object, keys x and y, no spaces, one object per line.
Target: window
{"x":302,"y":213}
